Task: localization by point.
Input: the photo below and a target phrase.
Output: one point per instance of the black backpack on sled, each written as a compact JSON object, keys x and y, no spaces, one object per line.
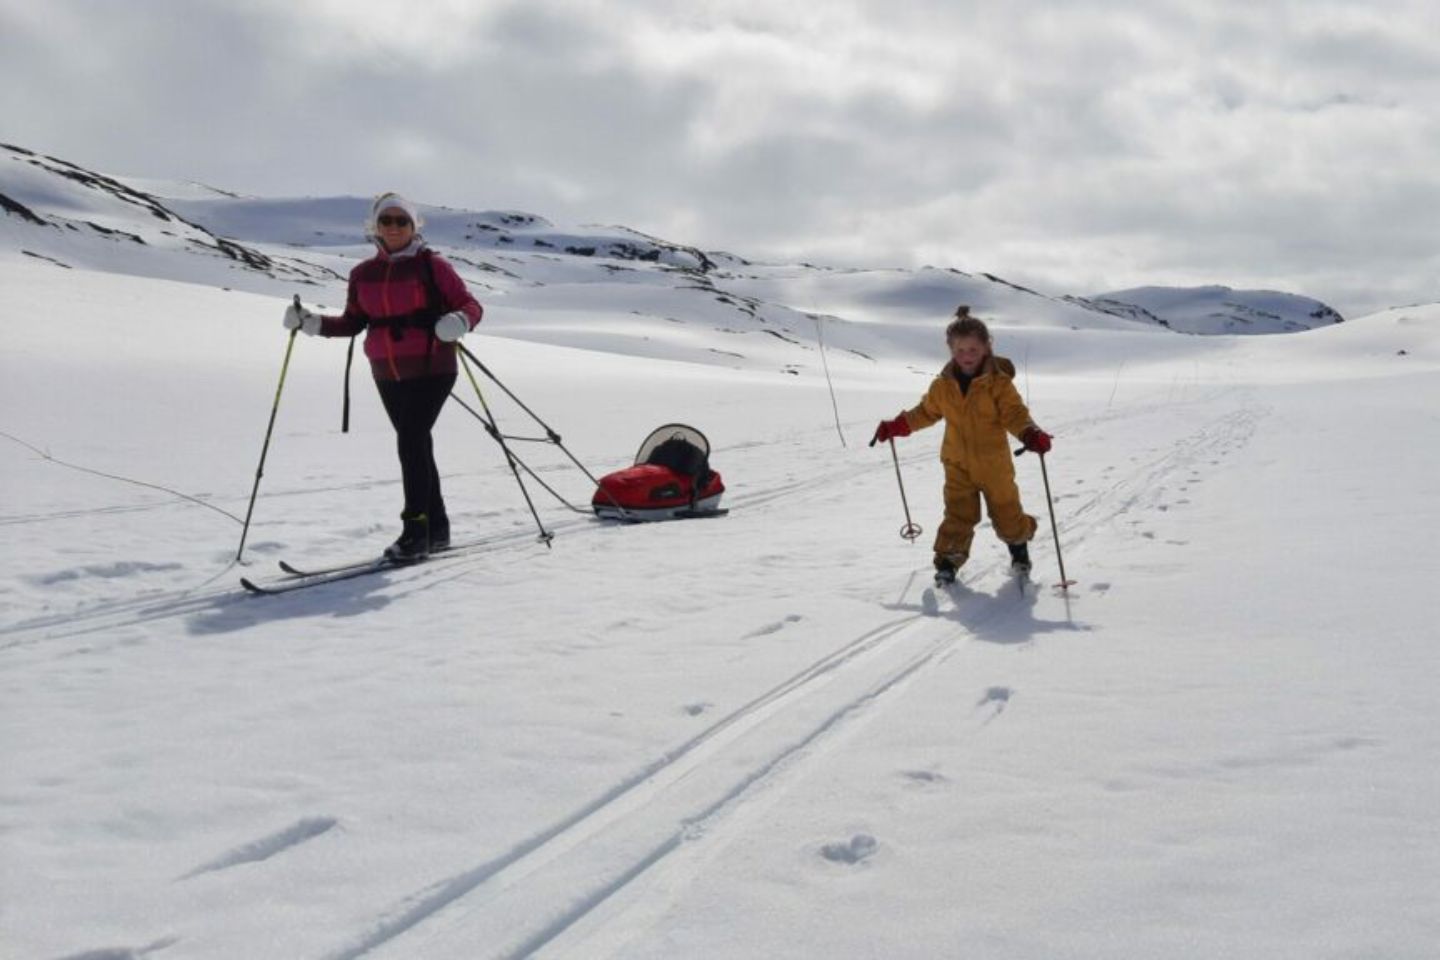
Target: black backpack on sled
{"x":671,"y":478}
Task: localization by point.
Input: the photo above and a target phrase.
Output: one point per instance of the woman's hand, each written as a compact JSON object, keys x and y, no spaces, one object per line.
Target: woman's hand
{"x":452,"y":326}
{"x":298,"y":318}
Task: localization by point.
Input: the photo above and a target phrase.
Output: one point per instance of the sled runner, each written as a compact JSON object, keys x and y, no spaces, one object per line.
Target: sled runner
{"x":671,"y":479}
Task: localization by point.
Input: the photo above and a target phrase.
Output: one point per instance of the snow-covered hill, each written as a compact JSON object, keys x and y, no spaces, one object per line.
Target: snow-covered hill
{"x":72,"y":217}
{"x":761,"y":735}
{"x":1219,"y":310}
{"x":672,"y":296}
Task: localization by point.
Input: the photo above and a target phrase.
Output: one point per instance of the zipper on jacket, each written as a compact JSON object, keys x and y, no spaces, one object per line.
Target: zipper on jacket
{"x":385,"y":304}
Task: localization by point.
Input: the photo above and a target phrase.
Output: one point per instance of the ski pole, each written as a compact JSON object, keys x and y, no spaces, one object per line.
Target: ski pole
{"x":911,"y":531}
{"x":265,"y":448}
{"x":1065,"y":582}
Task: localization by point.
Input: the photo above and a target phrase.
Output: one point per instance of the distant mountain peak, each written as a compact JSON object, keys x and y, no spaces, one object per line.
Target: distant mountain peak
{"x":1217,"y":309}
{"x":59,"y":212}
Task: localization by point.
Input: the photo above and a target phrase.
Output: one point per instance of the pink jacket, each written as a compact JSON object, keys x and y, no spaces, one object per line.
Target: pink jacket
{"x":389,"y":297}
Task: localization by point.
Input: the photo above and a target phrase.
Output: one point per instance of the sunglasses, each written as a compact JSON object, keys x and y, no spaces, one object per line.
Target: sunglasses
{"x":385,"y":220}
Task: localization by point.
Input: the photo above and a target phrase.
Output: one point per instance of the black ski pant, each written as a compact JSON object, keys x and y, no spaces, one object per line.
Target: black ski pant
{"x":413,"y":407}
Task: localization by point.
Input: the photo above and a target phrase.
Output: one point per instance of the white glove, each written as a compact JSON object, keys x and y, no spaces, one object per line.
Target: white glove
{"x":452,"y":326}
{"x":298,"y":318}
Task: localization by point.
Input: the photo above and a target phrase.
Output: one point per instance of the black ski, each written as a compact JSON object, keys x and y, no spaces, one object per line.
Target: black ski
{"x":300,"y":581}
{"x":294,"y":571}
{"x":298,"y":578}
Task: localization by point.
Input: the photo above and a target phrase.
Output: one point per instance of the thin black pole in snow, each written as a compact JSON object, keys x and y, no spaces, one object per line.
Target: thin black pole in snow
{"x":824,"y":363}
{"x":270,"y":429}
{"x":1065,"y":583}
{"x":911,"y":531}
{"x":510,"y":459}
{"x":550,"y":434}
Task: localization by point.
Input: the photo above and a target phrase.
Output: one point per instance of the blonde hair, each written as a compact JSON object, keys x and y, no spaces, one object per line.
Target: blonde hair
{"x":965,"y":325}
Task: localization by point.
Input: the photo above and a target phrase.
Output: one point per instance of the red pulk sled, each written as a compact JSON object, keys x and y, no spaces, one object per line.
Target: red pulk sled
{"x":671,"y":479}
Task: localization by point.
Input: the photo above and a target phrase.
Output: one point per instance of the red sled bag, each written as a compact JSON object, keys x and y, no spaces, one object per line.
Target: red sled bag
{"x":671,"y":479}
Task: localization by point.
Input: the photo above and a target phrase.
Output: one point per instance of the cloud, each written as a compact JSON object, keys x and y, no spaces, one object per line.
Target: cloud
{"x":1075,"y":147}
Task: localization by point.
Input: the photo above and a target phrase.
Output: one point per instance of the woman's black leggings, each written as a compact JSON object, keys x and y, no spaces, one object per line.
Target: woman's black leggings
{"x":413,"y":407}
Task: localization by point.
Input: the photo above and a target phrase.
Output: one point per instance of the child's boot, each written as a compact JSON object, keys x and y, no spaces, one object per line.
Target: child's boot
{"x":1019,"y":557}
{"x":946,"y":566}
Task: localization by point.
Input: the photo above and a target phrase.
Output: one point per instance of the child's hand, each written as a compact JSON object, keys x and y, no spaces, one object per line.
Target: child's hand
{"x":1036,"y":440}
{"x":890,"y":429}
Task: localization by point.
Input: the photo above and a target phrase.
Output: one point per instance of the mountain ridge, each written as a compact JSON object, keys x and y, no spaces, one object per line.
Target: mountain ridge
{"x":199,"y":233}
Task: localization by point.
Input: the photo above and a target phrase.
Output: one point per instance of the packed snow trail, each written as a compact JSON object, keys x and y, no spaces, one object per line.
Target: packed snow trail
{"x":519,"y":902}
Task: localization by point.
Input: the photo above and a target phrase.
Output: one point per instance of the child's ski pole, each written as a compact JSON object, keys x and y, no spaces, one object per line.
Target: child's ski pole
{"x":1065,"y":582}
{"x":1054,"y":530}
{"x":911,"y":531}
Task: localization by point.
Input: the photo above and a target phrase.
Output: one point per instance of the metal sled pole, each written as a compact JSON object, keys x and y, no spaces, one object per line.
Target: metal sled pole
{"x":489,"y":420}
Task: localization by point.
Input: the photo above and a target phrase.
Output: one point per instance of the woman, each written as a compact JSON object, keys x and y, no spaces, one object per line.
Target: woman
{"x":414,"y":308}
{"x":976,"y":397}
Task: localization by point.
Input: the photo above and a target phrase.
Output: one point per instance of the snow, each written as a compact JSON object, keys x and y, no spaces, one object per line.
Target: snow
{"x":760,"y":735}
{"x":1217,"y":309}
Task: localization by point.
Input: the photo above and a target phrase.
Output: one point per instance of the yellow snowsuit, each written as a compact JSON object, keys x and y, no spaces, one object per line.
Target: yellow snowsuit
{"x":976,"y":453}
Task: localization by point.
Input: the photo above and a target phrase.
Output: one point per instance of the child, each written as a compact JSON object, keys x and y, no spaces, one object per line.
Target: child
{"x":976,"y":397}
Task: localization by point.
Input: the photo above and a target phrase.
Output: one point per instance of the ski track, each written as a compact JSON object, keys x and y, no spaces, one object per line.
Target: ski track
{"x":659,"y":812}
{"x":608,"y":846}
{"x":104,"y":615}
{"x":147,"y":608}
{"x":672,"y":802}
{"x":671,"y":765}
{"x":1150,"y":483}
{"x":101,"y":615}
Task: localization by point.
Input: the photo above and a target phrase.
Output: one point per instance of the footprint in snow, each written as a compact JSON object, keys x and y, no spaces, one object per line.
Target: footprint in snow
{"x":268,"y":846}
{"x":695,"y":709}
{"x":104,"y":571}
{"x":1000,"y":695}
{"x":771,"y":628}
{"x":124,"y":953}
{"x":924,"y":778}
{"x":996,"y":699}
{"x":852,"y":851}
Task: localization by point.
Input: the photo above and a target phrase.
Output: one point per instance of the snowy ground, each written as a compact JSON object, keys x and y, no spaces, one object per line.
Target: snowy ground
{"x":762,"y":735}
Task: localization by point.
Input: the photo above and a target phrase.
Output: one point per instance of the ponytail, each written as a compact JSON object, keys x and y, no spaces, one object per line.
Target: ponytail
{"x":965,"y":325}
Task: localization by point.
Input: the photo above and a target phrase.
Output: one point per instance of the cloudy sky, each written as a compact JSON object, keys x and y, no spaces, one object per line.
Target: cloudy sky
{"x":1073,"y":146}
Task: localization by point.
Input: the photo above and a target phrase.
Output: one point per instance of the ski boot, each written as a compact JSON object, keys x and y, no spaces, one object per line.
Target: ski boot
{"x":945,"y":570}
{"x":414,"y":541}
{"x":1019,"y":558}
{"x":439,"y":534}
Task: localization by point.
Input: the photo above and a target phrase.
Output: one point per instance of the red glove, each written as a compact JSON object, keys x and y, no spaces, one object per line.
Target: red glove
{"x":889,"y":429}
{"x":1036,"y":440}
